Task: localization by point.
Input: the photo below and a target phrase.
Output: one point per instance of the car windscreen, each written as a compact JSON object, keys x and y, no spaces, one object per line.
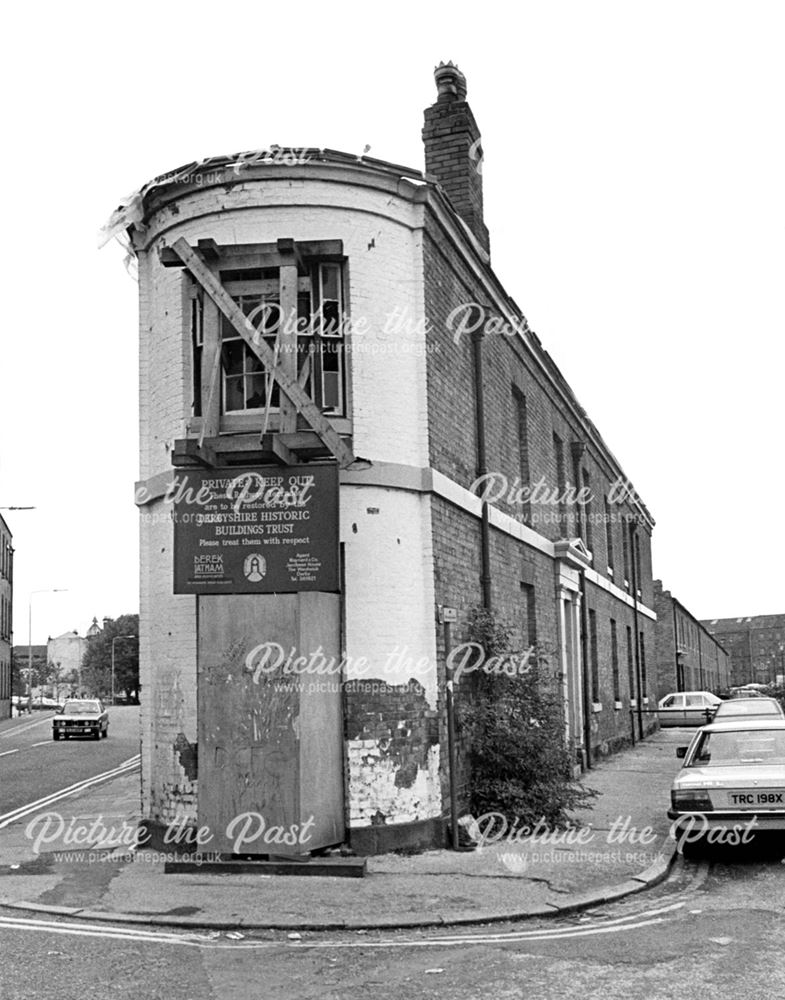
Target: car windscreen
{"x":81,"y":708}
{"x":760,"y":746}
{"x":748,"y":706}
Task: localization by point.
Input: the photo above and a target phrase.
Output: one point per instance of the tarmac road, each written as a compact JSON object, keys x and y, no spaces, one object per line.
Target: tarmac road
{"x":33,"y":765}
{"x":708,"y":931}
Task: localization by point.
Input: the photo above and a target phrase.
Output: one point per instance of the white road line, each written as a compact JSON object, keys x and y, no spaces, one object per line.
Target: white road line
{"x":212,"y":940}
{"x":485,"y":938}
{"x":22,"y":811}
{"x":5,"y":753}
{"x":205,"y":941}
{"x":15,"y":730}
{"x":44,"y":743}
{"x":88,"y":930}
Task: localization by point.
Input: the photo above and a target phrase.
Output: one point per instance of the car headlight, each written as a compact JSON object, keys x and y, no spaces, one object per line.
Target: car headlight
{"x":691,"y":800}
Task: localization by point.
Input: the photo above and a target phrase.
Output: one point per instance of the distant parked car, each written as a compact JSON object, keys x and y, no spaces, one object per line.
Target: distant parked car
{"x":748,"y":691}
{"x":44,"y":703}
{"x":687,"y":708}
{"x":81,"y":717}
{"x":749,"y":708}
{"x":19,"y":703}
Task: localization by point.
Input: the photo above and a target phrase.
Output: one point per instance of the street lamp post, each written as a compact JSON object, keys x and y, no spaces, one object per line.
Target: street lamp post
{"x":49,"y":590}
{"x":114,"y":640}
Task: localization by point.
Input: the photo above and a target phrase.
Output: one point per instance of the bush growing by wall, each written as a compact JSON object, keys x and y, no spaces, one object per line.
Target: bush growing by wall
{"x":521,"y":766}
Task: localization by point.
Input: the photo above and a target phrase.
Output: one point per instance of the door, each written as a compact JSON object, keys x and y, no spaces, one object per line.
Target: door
{"x":270,"y":741}
{"x":671,"y":712}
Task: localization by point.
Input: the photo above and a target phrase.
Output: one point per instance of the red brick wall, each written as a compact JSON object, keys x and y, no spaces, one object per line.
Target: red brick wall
{"x":507,"y":364}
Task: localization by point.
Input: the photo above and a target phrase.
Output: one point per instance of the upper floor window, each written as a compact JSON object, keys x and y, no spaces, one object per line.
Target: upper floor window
{"x":561,"y":481}
{"x":245,"y":385}
{"x":522,"y":421}
{"x":609,"y":535}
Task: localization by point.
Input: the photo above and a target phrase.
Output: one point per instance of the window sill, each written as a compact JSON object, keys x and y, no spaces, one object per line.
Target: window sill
{"x":617,"y":705}
{"x":633,"y":703}
{"x":596,"y":706}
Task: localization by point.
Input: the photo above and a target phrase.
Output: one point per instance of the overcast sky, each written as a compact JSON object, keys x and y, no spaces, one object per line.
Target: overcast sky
{"x":634,"y":190}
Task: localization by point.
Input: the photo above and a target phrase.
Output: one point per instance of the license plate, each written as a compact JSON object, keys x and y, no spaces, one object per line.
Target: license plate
{"x":757,"y":799}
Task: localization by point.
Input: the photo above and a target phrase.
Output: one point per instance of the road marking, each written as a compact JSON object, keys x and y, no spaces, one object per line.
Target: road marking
{"x":630,"y":922}
{"x":44,"y":743}
{"x":213,"y":940}
{"x":5,"y":753}
{"x":14,"y":730}
{"x":21,"y":811}
{"x":485,"y":938}
{"x":115,"y":933}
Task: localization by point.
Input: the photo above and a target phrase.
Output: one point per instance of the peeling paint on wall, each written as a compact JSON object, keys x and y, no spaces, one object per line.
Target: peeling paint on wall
{"x":377,"y":796}
{"x":393,"y":753}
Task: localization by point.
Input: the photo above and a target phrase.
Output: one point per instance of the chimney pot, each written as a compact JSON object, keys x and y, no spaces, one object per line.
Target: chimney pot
{"x":450,"y":82}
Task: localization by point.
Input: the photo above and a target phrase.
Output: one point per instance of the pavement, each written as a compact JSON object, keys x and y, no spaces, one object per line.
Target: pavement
{"x":621,"y":845}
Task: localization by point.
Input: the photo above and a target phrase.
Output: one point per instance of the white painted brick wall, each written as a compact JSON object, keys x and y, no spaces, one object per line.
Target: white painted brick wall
{"x":389,"y":599}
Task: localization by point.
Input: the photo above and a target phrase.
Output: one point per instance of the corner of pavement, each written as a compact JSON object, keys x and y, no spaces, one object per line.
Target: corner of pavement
{"x":620,"y":846}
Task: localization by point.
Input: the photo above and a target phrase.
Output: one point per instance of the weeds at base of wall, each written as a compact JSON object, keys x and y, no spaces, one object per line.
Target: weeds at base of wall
{"x":520,"y":764}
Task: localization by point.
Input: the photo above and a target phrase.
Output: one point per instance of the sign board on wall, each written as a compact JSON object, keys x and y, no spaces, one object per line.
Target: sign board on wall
{"x":263,"y":530}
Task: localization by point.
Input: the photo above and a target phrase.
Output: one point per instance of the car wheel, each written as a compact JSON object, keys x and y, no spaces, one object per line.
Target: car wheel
{"x":97,"y":734}
{"x":105,"y":733}
{"x":55,"y":736}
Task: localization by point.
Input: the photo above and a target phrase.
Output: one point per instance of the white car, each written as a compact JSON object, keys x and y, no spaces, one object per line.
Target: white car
{"x":748,"y":708}
{"x":732,"y":780}
{"x":687,"y":708}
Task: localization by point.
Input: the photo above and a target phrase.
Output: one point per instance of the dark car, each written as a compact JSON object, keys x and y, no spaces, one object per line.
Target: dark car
{"x":81,"y":717}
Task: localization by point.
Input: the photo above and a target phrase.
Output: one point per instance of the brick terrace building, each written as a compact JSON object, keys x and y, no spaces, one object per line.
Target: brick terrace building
{"x":689,"y":658}
{"x":756,"y":645}
{"x":421,"y":383}
{"x":6,"y":618}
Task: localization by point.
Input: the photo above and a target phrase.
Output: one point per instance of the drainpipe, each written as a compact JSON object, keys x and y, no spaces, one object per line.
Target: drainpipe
{"x":639,"y":699}
{"x":577,"y":449}
{"x":482,"y":467}
{"x":587,"y":704}
{"x":676,"y":646}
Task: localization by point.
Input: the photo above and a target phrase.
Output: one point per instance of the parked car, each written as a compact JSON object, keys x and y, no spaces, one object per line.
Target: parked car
{"x":748,"y":708}
{"x":750,"y":691}
{"x":81,"y":717}
{"x":687,"y":708}
{"x":733,"y":772}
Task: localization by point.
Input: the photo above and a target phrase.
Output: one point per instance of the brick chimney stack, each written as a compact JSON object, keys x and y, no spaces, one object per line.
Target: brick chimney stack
{"x":453,"y":153}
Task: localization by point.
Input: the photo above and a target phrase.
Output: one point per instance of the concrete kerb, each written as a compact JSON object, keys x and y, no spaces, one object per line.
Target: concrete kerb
{"x":647,"y":879}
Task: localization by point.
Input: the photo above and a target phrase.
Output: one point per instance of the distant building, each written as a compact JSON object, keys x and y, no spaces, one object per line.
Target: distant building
{"x":94,"y":630}
{"x":22,"y":657}
{"x":689,"y":658}
{"x":65,"y":653}
{"x":756,"y":645}
{"x":6,"y":619}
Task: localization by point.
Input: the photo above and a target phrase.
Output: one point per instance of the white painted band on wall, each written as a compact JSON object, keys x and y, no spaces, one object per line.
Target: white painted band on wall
{"x":426,"y":480}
